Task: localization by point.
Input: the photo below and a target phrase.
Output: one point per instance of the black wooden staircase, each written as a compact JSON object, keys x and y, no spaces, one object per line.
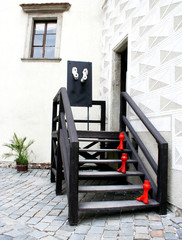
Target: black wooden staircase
{"x":88,"y":162}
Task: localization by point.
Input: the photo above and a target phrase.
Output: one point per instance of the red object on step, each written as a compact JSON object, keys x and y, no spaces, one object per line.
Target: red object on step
{"x":124,"y":158}
{"x":121,"y":137}
{"x":146,"y":188}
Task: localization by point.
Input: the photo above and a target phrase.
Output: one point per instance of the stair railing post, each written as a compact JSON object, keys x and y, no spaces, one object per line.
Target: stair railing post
{"x":122,"y":112}
{"x":54,"y":112}
{"x":103,"y":115}
{"x":59,"y":174}
{"x":162,"y":177}
{"x":73,"y":179}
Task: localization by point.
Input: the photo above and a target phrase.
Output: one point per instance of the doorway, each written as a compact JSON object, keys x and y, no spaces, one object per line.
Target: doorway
{"x":119,"y":81}
{"x":124,"y":55}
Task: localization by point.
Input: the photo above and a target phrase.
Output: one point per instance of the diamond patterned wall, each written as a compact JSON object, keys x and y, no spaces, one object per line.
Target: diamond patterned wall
{"x":154,"y":77}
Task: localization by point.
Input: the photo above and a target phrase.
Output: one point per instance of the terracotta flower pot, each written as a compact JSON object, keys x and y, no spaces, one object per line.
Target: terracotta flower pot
{"x":21,"y":168}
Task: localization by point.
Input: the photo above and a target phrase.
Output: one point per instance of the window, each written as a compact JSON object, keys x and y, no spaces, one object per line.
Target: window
{"x":44,"y":39}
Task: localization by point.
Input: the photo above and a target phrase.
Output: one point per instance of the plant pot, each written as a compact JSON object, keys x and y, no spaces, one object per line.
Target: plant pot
{"x":21,"y":168}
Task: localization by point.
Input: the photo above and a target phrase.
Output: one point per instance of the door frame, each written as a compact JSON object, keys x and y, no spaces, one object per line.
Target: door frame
{"x":116,"y":83}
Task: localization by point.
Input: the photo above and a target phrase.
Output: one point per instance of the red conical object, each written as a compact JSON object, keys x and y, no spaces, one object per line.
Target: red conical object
{"x":146,"y":188}
{"x":121,"y":137}
{"x":124,"y":158}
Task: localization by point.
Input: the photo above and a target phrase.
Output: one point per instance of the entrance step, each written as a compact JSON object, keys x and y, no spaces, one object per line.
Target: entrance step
{"x":117,"y":205}
{"x":104,"y":150}
{"x":105,"y":161}
{"x":110,"y":188}
{"x":107,"y":174}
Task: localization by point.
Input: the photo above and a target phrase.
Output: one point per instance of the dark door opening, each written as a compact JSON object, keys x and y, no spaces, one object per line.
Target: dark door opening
{"x":123,"y":69}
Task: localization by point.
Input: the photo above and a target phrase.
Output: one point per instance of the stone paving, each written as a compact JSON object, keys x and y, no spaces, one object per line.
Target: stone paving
{"x":29,"y":209}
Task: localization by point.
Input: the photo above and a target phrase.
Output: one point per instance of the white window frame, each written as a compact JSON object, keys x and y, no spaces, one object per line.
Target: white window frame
{"x":43,"y":13}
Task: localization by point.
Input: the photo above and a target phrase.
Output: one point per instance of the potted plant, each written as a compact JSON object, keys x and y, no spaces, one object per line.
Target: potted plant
{"x":20,"y":151}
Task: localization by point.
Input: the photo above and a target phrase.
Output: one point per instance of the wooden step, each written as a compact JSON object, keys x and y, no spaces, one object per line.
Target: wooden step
{"x":117,"y":205}
{"x":104,"y":150}
{"x":105,"y":161}
{"x":98,"y":140}
{"x":107,"y":174}
{"x":98,"y":134}
{"x":110,"y":188}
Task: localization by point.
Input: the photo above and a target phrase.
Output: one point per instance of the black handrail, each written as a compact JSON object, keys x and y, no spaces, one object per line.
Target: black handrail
{"x":66,"y":108}
{"x":68,"y":146}
{"x":142,"y":117}
{"x":142,"y":146}
{"x":67,"y":126}
{"x":161,"y":168}
{"x":65,"y":149}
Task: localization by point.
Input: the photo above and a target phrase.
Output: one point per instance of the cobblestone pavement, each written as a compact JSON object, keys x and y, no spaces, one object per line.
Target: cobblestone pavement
{"x":29,"y":209}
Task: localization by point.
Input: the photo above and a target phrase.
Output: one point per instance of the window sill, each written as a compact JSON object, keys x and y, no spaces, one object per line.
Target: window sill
{"x":41,"y":59}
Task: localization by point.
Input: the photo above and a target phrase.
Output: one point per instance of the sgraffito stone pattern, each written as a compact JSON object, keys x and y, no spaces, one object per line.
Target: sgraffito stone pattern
{"x":153,"y":31}
{"x":154,"y":76}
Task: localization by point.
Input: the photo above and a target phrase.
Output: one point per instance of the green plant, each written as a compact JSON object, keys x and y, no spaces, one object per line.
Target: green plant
{"x":19,"y":149}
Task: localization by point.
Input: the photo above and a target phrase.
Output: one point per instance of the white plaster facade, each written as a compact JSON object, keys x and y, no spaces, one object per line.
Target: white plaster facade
{"x":153,"y":31}
{"x":96,"y":31}
{"x":28,"y":87}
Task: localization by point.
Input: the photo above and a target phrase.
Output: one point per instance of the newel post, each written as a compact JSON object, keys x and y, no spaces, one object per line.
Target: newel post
{"x":54,"y":112}
{"x":103,"y":116}
{"x":122,"y":111}
{"x":73,"y":179}
{"x":59,"y":173}
{"x":162,"y":177}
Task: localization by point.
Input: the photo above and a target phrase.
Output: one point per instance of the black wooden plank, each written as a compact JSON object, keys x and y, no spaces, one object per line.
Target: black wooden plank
{"x":54,"y":146}
{"x":56,"y":98}
{"x":117,"y":205}
{"x":56,"y":119}
{"x":54,"y":127}
{"x":54,"y":171}
{"x":86,"y":121}
{"x":107,"y":174}
{"x":55,"y":160}
{"x":65,"y":158}
{"x":122,"y":112}
{"x":98,"y":102}
{"x":97,"y":140}
{"x":141,"y":145}
{"x":59,"y":173}
{"x":55,"y":134}
{"x":103,"y":116}
{"x":162,"y":177}
{"x":73,"y":181}
{"x":110,"y":188}
{"x":142,"y":167}
{"x":90,"y":145}
{"x":69,"y":116}
{"x":144,"y":119}
{"x":97,"y":134}
{"x":104,"y":150}
{"x":105,"y":161}
{"x":87,"y":155}
{"x":103,"y":113}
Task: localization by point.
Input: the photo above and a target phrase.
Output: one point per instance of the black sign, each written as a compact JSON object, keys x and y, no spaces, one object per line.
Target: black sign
{"x":79,"y":83}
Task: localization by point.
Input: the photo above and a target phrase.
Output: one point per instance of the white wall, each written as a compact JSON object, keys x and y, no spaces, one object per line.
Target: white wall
{"x":27,"y":88}
{"x":154,"y":77}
